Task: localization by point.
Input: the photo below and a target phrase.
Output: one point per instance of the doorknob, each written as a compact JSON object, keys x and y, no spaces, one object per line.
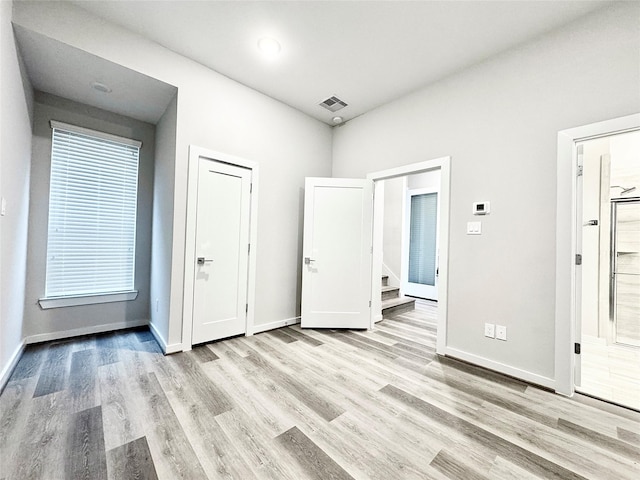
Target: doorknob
{"x":202,"y":260}
{"x":308,"y":260}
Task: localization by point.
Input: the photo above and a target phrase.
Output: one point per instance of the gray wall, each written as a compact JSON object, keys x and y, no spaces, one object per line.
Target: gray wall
{"x":15,"y":153}
{"x":499,"y":122}
{"x":38,"y":322}
{"x":164,"y":179}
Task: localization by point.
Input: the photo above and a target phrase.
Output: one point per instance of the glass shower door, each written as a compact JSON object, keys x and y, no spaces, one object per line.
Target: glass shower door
{"x":625,"y":277}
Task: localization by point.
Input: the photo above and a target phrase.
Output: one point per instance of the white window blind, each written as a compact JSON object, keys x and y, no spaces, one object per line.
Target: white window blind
{"x":92,"y":213}
{"x":423,"y":238}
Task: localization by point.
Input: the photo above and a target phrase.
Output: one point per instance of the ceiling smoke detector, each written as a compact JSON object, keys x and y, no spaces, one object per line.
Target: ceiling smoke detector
{"x":101,"y":87}
{"x":333,"y":104}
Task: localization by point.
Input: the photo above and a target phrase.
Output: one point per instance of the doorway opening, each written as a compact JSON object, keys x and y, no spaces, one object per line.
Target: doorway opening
{"x":608,"y":231}
{"x":412,"y":267}
{"x":588,"y":259}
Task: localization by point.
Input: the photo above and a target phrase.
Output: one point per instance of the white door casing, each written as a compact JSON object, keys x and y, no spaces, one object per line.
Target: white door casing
{"x":336,"y":270}
{"x":233,"y":165}
{"x":442,"y":164}
{"x":222,"y":251}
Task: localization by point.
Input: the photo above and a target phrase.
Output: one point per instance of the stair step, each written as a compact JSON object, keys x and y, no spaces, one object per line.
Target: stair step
{"x":390,"y":292}
{"x":385,"y":280}
{"x":397,"y":305}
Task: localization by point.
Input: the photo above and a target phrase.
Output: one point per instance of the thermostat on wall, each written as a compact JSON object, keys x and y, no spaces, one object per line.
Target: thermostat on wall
{"x":481,"y":208}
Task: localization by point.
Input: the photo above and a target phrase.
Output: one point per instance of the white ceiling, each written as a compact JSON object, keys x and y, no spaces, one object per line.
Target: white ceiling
{"x":57,"y":68}
{"x":365,"y":52}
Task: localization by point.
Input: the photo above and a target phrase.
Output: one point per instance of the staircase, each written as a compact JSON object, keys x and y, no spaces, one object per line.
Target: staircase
{"x":392,"y":302}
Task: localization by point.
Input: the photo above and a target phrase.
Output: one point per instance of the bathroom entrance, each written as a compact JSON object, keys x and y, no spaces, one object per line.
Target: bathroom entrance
{"x":609,"y":274}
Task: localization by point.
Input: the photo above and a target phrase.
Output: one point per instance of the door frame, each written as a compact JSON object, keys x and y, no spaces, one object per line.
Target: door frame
{"x":567,"y":241}
{"x":442,"y":164}
{"x":195,"y":153}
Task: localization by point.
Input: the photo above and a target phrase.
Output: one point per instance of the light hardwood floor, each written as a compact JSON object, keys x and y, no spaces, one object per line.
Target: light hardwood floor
{"x":292,"y":404}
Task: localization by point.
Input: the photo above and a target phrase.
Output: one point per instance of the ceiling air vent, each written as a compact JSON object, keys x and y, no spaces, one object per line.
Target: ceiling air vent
{"x":333,"y":104}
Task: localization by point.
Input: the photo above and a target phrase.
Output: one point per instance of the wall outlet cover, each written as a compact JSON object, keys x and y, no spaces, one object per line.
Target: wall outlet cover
{"x":501,"y":332}
{"x":474,"y":228}
{"x":489,"y":330}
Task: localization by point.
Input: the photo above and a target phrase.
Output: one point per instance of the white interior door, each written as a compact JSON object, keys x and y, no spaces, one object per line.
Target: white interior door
{"x":221,"y":253}
{"x":419,"y":275}
{"x":336,"y":270}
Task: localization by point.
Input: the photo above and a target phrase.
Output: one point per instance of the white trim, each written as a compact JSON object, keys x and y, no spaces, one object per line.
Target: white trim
{"x":566,"y":202}
{"x":95,"y":133}
{"x":58,"y":302}
{"x":166,"y":349}
{"x":444,"y":164}
{"x":195,"y":153}
{"x":11,"y":365}
{"x":501,"y":368}
{"x":278,"y":324}
{"x":76,"y":332}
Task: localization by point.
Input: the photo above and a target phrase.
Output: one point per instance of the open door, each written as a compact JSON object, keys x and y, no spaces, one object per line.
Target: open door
{"x":419,"y":275}
{"x":337,"y":252}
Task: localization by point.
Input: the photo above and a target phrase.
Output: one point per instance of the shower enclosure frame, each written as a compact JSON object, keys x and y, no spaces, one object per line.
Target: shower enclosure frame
{"x":613,"y":262}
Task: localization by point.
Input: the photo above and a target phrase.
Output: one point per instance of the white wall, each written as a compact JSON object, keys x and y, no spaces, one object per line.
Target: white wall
{"x":392,"y":229}
{"x":164,"y":179}
{"x":499,"y":122}
{"x":16,"y":106}
{"x":591,"y":248}
{"x":60,"y":322}
{"x":625,"y":163}
{"x":217,"y":113}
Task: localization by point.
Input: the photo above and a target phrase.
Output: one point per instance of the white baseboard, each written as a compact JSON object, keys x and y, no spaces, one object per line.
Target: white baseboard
{"x":166,"y":349}
{"x":270,"y":326}
{"x":76,"y":332}
{"x":501,"y":368}
{"x":13,"y":361}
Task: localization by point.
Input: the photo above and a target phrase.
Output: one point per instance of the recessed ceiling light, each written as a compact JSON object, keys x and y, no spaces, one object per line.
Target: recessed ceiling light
{"x":269,"y":46}
{"x":337,"y":119}
{"x":101,"y":87}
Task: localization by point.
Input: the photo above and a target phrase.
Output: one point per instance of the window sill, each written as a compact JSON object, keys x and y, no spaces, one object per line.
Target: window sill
{"x":57,"y":302}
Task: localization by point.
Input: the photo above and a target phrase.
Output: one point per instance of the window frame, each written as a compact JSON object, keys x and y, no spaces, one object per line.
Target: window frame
{"x":47,"y":302}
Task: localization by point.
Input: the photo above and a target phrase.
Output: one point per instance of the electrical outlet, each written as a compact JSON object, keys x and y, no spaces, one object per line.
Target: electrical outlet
{"x":489,"y":330}
{"x":501,"y":332}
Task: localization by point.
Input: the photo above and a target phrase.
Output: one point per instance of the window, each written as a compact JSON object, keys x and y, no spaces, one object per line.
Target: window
{"x":92,"y":214}
{"x":423,"y":238}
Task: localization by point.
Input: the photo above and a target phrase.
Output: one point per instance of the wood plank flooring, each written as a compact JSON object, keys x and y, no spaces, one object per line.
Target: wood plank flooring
{"x":298,"y":404}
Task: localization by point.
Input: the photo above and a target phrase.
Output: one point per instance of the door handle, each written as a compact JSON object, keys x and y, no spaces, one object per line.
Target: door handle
{"x":202,"y":260}
{"x":308,"y":260}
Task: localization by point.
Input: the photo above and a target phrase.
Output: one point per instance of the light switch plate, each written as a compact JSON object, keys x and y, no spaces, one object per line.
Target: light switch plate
{"x":474,"y":228}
